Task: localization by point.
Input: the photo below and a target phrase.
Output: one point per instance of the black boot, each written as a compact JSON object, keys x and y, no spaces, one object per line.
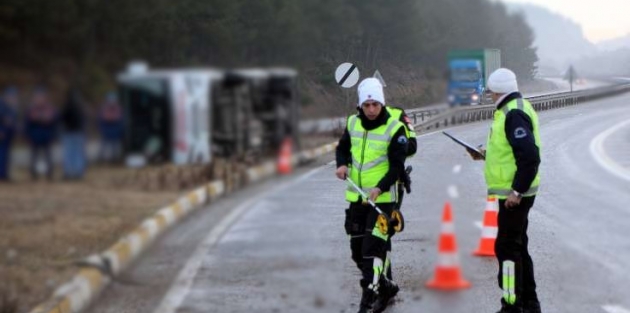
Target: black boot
{"x":367,"y":298}
{"x":510,"y":309}
{"x":387,"y":291}
{"x":532,"y":306}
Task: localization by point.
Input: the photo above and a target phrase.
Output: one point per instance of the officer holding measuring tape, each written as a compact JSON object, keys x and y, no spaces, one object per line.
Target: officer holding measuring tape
{"x":372,"y":152}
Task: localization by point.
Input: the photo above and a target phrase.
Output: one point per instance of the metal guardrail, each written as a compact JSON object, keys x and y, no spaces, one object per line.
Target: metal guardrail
{"x":470,"y":114}
{"x":334,"y":124}
{"x":421,"y":115}
{"x":440,"y":116}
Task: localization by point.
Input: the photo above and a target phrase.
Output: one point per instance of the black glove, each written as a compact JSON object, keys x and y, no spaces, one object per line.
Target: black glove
{"x":406,"y":179}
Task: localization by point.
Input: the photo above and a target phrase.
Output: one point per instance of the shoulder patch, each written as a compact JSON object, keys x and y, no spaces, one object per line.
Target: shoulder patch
{"x":519,"y":133}
{"x":402,"y":140}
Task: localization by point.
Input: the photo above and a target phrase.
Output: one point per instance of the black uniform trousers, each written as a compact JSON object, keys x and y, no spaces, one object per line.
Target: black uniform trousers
{"x":360,"y":223}
{"x":511,"y":244}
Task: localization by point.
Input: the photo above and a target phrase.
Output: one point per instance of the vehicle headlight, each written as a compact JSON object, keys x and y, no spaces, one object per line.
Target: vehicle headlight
{"x":474,"y":97}
{"x":451,"y":98}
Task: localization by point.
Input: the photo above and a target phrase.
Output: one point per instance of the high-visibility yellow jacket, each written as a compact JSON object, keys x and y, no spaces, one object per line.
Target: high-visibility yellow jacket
{"x":369,"y":157}
{"x":500,"y":165}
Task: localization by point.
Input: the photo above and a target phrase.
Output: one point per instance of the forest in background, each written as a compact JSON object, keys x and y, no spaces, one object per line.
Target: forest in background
{"x":86,"y":42}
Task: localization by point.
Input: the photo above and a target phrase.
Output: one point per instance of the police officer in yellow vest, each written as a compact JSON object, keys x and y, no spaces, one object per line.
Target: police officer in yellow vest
{"x":401,"y":116}
{"x":372,"y":153}
{"x":404,"y":181}
{"x":511,"y":170}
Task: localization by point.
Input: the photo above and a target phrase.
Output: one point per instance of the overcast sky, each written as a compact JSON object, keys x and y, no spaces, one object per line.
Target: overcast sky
{"x":600,"y":19}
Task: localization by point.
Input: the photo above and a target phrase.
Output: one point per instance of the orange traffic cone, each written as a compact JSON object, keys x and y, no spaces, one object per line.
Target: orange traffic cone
{"x":284,"y":157}
{"x":447,"y":272}
{"x":490,"y":228}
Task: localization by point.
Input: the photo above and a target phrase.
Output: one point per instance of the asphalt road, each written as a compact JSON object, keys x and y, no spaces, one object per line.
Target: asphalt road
{"x":280,"y":246}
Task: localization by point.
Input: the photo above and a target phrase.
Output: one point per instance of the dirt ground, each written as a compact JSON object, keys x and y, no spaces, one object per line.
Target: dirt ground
{"x":46,"y":226}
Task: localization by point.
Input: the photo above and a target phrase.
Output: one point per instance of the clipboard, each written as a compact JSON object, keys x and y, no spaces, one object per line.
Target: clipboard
{"x":465,"y":144}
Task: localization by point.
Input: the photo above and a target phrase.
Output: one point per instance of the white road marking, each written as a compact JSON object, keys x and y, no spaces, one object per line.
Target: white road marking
{"x":181,"y":286}
{"x":615,"y":309}
{"x":457,"y":168}
{"x":452,"y":191}
{"x":600,"y":155}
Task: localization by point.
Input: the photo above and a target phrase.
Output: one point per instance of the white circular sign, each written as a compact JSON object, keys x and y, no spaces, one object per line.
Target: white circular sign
{"x":347,"y":75}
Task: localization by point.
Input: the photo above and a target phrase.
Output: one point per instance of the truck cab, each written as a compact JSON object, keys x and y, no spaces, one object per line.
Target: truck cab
{"x":468,"y":74}
{"x":466,"y":85}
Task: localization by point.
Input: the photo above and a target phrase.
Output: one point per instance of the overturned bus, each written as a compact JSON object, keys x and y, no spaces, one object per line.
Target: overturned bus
{"x":189,"y":116}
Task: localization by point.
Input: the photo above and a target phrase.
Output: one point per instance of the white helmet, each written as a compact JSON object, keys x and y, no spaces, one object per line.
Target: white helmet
{"x":370,"y":89}
{"x":502,"y":81}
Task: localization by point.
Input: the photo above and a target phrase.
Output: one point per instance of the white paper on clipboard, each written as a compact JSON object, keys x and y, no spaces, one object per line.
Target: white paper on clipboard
{"x":464,"y":144}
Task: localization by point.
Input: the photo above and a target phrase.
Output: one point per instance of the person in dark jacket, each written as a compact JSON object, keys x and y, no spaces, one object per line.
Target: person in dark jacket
{"x":511,"y":170}
{"x":372,"y":152}
{"x":40,"y":126}
{"x":111,"y":126}
{"x":73,"y":136}
{"x":8,"y":125}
